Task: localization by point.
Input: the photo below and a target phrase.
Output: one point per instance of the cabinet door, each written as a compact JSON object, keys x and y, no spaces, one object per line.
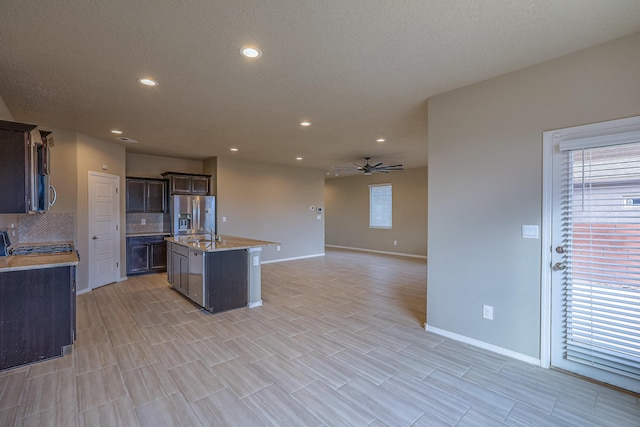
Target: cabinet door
{"x":14,"y":190}
{"x":156,"y":196}
{"x":180,"y":184}
{"x":158,"y":252}
{"x":175,"y":270}
{"x":184,"y":273}
{"x":169,"y":263}
{"x":137,"y":257}
{"x":200,"y":185}
{"x":136,"y":195}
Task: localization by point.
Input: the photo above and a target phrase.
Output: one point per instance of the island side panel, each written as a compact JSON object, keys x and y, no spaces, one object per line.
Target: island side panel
{"x":36,"y":314}
{"x":226,"y":280}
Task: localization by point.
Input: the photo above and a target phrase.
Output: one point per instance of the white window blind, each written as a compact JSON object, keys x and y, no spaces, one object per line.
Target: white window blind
{"x":602,"y":279}
{"x":380,"y":206}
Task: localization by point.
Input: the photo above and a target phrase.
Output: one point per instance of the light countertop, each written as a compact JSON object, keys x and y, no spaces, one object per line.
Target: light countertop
{"x":29,"y":262}
{"x":148,"y":234}
{"x":227,"y":243}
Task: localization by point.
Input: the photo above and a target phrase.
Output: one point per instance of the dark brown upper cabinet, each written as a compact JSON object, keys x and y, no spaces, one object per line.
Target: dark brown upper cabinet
{"x":190,"y":184}
{"x":146,"y":195}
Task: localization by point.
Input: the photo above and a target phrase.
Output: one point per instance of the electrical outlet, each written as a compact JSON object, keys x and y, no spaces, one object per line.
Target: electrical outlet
{"x":278,"y":248}
{"x":487,"y":312}
{"x":143,"y":221}
{"x":224,"y":219}
{"x":395,"y":243}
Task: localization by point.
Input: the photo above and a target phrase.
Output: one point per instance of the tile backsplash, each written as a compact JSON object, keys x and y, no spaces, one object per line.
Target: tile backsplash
{"x":46,"y":227}
{"x":155,"y":223}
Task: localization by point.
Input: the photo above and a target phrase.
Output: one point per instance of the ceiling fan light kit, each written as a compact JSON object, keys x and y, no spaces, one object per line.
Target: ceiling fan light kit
{"x":368,"y":169}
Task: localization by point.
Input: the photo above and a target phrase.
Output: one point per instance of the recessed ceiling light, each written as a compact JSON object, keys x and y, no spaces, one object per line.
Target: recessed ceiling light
{"x":117,"y":132}
{"x":298,"y":158}
{"x":251,"y":52}
{"x":148,"y":82}
{"x":380,"y":140}
{"x":233,"y":149}
{"x":305,"y":123}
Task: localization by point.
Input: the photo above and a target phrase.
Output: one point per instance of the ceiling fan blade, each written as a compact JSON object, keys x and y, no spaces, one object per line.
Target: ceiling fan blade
{"x":355,"y":164}
{"x":376,"y":165}
{"x":392,"y":166}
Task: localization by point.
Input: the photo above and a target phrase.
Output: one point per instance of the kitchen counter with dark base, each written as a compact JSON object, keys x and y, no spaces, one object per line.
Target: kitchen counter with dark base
{"x":37,"y":307}
{"x":217,"y":275}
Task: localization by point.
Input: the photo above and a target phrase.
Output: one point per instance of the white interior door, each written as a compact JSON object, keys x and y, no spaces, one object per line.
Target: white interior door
{"x":595,"y":251}
{"x":104,"y":225}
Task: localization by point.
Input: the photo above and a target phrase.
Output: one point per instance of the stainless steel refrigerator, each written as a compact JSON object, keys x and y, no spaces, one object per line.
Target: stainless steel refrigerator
{"x":193,"y":215}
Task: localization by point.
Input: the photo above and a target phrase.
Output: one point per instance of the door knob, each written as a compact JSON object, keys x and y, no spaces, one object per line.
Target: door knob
{"x":559,"y":266}
{"x":95,"y":237}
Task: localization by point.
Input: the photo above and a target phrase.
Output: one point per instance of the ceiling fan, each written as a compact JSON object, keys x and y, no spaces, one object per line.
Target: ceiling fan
{"x":368,"y":169}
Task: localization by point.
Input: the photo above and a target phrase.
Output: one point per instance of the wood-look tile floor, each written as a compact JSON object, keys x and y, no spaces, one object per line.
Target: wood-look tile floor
{"x":338,"y":341}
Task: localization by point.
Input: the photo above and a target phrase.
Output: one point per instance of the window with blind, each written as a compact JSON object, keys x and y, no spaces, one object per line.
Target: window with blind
{"x":601,"y":223}
{"x":380,"y":206}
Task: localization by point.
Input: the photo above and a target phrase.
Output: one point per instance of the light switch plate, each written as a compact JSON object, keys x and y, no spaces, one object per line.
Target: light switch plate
{"x":530,"y":232}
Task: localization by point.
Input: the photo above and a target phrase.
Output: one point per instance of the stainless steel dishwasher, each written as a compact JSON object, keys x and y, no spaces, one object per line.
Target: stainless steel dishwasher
{"x":196,"y":275}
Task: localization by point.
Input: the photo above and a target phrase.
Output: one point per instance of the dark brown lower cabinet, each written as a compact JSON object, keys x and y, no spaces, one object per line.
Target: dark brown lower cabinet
{"x":146,"y":255}
{"x":37,"y":314}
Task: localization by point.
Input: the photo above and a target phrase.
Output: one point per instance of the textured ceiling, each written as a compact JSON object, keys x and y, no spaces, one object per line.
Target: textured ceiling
{"x":357,"y":69}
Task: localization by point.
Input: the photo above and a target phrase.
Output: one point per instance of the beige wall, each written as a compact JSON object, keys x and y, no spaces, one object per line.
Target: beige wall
{"x":347,"y":212}
{"x":5,"y":114}
{"x":210,"y":167}
{"x":271,"y":202}
{"x":485,"y":174}
{"x":148,"y":166}
{"x":92,"y":154}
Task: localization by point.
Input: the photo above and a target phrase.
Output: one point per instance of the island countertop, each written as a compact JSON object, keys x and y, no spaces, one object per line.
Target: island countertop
{"x":226,"y":243}
{"x":29,"y":262}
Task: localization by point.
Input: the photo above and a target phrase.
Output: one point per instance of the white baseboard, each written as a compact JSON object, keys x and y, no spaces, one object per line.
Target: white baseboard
{"x":377,"y":252}
{"x":122,"y":279}
{"x":254,"y":304}
{"x":484,"y":345}
{"x":82,"y":291}
{"x":291,"y":259}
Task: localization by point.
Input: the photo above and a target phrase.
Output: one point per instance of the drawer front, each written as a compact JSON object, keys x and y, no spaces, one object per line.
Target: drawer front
{"x":179,"y":249}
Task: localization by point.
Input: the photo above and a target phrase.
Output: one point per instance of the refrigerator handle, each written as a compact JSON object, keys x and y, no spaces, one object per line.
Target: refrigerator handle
{"x":196,"y":215}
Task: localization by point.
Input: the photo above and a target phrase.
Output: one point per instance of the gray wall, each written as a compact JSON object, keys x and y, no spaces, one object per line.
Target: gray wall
{"x":347,"y":212}
{"x":485,"y":174}
{"x":271,"y":202}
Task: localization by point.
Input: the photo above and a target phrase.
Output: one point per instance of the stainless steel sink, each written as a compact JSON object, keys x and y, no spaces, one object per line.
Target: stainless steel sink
{"x":200,"y":241}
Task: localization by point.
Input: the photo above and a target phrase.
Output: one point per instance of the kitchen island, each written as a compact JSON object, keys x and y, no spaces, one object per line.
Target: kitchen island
{"x":37,"y":307}
{"x":217,"y":275}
